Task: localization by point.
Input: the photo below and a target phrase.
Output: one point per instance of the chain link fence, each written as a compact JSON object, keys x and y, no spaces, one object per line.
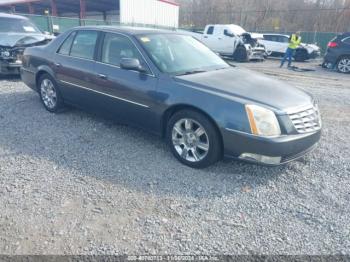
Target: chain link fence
{"x":54,"y":24}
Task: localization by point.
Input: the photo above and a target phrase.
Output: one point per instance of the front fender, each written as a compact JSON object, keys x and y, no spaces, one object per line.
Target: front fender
{"x":224,"y":110}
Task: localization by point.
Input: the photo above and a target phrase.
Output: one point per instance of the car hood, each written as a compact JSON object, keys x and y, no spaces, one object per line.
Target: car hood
{"x":21,"y":39}
{"x":253,"y":87}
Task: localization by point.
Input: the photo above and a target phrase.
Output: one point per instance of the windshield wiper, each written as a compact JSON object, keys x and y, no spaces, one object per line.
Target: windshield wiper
{"x":192,"y":72}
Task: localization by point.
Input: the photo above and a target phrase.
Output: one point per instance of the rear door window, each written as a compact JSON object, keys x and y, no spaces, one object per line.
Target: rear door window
{"x":284,"y":39}
{"x":272,"y":38}
{"x":84,"y":45}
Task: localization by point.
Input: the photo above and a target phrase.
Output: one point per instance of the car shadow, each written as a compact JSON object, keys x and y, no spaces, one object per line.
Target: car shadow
{"x":88,"y":146}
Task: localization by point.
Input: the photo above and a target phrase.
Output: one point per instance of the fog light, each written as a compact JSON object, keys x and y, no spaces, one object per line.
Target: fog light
{"x":261,"y":159}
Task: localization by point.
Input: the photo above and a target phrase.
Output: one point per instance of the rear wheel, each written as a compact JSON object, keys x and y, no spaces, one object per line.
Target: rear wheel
{"x":343,"y":65}
{"x":193,"y":139}
{"x":49,"y":94}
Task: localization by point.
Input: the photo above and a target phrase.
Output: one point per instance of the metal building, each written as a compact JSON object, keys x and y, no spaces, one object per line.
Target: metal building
{"x":141,"y":12}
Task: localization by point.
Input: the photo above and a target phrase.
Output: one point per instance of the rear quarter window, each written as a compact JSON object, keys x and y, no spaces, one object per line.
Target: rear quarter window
{"x":347,"y":40}
{"x":84,"y":44}
{"x":65,"y":47}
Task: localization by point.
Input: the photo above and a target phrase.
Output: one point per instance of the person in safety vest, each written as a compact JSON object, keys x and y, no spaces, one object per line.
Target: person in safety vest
{"x":294,"y":42}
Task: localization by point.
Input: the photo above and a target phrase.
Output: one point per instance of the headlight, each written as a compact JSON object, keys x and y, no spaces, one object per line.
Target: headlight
{"x":5,"y":54}
{"x":263,"y":122}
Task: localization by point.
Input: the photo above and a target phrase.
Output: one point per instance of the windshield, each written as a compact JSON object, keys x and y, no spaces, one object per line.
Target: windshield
{"x":236,"y":29}
{"x":180,"y":54}
{"x":12,"y":25}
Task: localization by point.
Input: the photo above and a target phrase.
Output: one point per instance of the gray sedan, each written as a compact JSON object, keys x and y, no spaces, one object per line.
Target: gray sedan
{"x":172,"y":85}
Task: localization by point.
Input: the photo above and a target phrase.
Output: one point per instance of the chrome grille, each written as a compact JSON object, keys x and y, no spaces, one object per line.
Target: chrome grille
{"x":306,"y":121}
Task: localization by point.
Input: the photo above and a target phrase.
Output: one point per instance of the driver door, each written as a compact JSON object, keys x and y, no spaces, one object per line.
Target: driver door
{"x":128,"y":95}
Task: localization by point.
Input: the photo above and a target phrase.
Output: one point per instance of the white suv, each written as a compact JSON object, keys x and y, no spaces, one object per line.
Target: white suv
{"x":277,"y":44}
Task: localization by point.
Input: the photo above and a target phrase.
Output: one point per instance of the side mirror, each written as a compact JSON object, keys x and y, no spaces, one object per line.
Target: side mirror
{"x":132,"y":64}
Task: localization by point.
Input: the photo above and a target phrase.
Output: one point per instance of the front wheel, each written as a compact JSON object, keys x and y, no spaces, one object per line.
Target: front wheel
{"x":343,"y":65}
{"x":241,"y":54}
{"x":301,"y":55}
{"x":193,"y":139}
{"x":49,"y":94}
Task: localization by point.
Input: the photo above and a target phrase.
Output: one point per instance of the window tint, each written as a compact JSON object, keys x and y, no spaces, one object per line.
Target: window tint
{"x":284,"y":39}
{"x":267,"y":37}
{"x":228,"y":33}
{"x":346,"y":40}
{"x":65,"y":47}
{"x":116,"y":47}
{"x":274,"y":38}
{"x":84,"y":44}
{"x":210,"y":30}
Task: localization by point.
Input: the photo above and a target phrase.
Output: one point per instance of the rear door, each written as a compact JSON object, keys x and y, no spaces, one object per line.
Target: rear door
{"x":126,"y":94}
{"x":209,"y":37}
{"x":74,"y":67}
{"x":283,"y":42}
{"x":345,"y":46}
{"x":267,"y":42}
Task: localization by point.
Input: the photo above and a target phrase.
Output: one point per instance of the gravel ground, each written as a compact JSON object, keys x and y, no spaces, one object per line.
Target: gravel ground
{"x":77,"y":184}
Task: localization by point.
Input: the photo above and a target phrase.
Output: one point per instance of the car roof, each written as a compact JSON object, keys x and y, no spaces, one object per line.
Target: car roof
{"x":12,"y":16}
{"x":128,"y":30}
{"x":345,"y":34}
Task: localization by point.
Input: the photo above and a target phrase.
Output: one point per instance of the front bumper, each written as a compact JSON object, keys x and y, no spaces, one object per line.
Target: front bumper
{"x":10,"y":67}
{"x":330,"y":59}
{"x":285,"y":148}
{"x":257,"y":54}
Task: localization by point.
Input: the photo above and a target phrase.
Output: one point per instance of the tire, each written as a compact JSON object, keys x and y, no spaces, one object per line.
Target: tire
{"x":301,"y":56}
{"x":240,"y":54}
{"x":193,"y":139}
{"x":343,"y":65}
{"x":49,"y":94}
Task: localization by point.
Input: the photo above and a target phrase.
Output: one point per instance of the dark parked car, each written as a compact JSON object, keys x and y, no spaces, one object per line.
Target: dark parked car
{"x":338,"y":53}
{"x":17,"y":33}
{"x":172,"y":85}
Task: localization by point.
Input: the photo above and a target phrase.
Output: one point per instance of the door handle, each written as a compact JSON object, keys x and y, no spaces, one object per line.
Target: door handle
{"x":102,"y":76}
{"x":205,"y":37}
{"x":57,"y":64}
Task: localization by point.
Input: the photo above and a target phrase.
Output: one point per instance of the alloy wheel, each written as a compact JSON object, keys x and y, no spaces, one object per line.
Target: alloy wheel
{"x":344,"y":65}
{"x":48,"y":93}
{"x":190,"y":140}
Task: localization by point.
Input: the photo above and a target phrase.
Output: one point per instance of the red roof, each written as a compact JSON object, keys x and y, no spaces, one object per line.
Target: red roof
{"x":18,"y":2}
{"x":9,"y":2}
{"x":172,"y":2}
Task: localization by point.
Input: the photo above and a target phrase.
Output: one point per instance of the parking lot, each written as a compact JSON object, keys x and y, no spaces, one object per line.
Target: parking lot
{"x":74,"y":183}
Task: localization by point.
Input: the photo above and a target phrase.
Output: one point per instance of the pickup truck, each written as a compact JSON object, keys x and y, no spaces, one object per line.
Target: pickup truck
{"x":232,"y":41}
